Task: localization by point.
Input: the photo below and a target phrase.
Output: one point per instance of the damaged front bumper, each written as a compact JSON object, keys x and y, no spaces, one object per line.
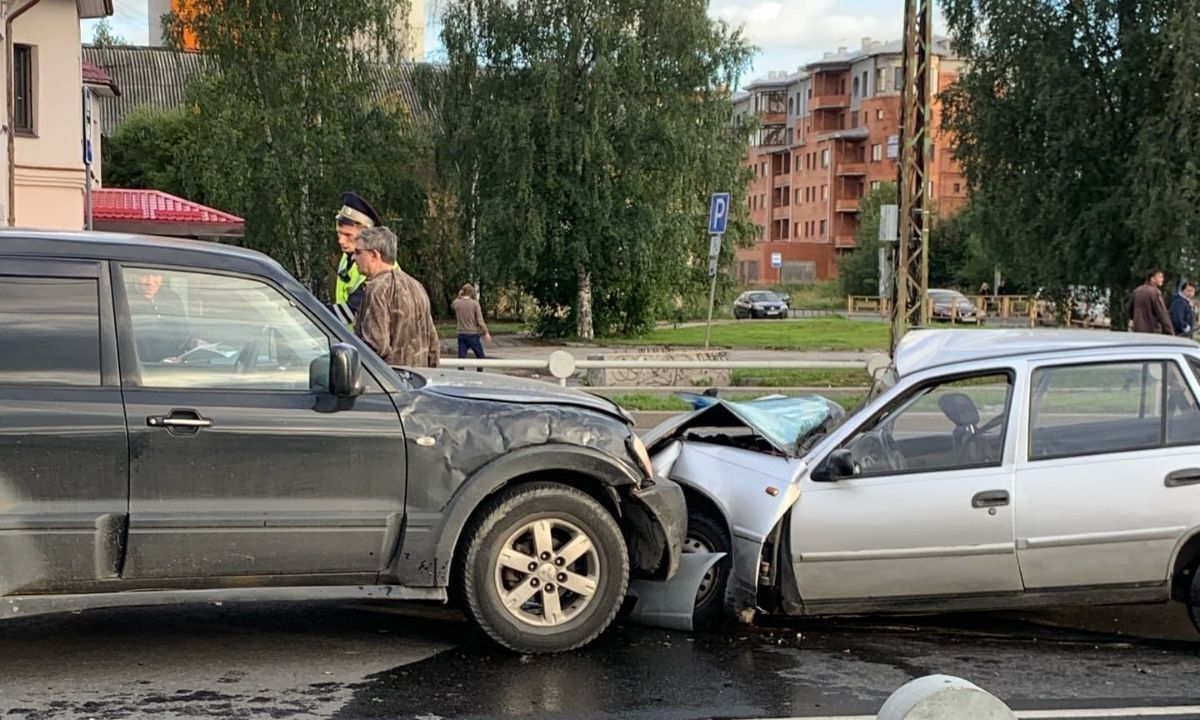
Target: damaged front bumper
{"x":656,"y":524}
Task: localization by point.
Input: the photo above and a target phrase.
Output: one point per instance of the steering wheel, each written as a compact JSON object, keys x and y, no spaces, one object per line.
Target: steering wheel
{"x":876,"y":452}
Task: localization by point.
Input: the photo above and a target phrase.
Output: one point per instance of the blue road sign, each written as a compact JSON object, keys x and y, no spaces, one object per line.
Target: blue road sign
{"x":718,"y":213}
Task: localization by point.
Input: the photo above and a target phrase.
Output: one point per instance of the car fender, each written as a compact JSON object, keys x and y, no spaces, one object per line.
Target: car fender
{"x":438,"y":542}
{"x":1186,"y":539}
{"x":753,"y":492}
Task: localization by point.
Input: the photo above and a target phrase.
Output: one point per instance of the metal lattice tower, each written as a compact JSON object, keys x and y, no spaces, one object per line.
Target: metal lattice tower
{"x":911,"y":258}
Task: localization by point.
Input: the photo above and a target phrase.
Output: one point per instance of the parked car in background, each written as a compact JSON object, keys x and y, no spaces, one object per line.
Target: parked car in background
{"x":183,"y":420}
{"x":756,"y":304}
{"x":951,"y":306}
{"x":986,"y":469}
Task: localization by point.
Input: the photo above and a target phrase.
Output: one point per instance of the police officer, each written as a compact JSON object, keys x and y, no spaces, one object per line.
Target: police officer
{"x":355,"y":216}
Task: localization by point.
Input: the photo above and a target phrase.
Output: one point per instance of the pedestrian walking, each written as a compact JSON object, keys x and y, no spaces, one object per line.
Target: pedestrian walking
{"x":1147,"y":309}
{"x":395,"y":319}
{"x":1183,"y":315}
{"x":470,"y":323}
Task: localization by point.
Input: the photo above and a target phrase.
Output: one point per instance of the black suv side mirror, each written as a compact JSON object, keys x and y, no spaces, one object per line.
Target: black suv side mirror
{"x":839,"y":464}
{"x":339,"y":373}
{"x":345,"y":371}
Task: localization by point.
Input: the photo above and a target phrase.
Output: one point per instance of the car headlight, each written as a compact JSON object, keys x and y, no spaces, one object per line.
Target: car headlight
{"x":643,"y":456}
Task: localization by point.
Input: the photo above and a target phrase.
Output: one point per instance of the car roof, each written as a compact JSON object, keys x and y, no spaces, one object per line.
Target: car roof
{"x":128,"y":247}
{"x":923,"y":349}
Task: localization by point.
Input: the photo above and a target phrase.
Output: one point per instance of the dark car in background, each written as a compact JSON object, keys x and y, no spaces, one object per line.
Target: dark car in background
{"x":756,"y":304}
{"x":951,"y":306}
{"x":183,"y":420}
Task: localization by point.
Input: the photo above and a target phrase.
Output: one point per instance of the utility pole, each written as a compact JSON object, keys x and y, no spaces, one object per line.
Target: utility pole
{"x":909,"y":306}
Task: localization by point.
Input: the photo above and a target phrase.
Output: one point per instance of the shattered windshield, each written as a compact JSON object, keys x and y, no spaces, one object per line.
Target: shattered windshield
{"x":789,"y":423}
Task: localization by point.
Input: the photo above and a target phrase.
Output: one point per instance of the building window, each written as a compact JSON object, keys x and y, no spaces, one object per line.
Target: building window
{"x":879,"y":114}
{"x":876,"y":184}
{"x":825,"y":158}
{"x":880,"y":80}
{"x":856,"y":87}
{"x":899,"y":78}
{"x":824,"y":193}
{"x":823,"y":228}
{"x":791,"y":107}
{"x":957,"y":188}
{"x":876,"y":152}
{"x":865,"y":79}
{"x":23,"y":89}
{"x":797,"y":196}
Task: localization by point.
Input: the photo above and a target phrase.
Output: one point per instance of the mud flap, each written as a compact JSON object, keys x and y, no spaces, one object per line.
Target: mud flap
{"x":670,"y":604}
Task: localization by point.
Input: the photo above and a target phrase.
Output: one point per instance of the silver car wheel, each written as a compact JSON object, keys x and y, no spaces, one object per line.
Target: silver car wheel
{"x":547,"y":572}
{"x":708,"y":584}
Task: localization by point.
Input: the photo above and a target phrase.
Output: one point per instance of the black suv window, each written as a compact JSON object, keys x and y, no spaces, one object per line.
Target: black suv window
{"x":49,"y":331}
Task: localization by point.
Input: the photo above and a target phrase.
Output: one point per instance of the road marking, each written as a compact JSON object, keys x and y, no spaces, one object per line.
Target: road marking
{"x":1081,"y":714}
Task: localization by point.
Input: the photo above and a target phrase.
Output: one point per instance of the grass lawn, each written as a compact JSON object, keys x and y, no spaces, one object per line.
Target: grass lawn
{"x":801,"y":378}
{"x":670,"y":403}
{"x":813,"y":334}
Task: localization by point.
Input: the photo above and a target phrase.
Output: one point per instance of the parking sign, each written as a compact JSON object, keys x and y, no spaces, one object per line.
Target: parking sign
{"x":718,"y":213}
{"x":776,"y":260}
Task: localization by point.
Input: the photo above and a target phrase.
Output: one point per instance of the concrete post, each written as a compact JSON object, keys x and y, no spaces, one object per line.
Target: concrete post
{"x":943,"y":697}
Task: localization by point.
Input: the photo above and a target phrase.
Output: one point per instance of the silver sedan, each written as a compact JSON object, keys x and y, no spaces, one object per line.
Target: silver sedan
{"x":986,"y":469}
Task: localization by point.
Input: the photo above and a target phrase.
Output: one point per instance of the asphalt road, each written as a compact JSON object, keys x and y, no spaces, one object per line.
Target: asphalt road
{"x":381,"y":661}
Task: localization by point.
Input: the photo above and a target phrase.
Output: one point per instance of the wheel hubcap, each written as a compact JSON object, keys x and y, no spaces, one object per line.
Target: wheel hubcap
{"x":708,"y":583}
{"x":547,"y":572}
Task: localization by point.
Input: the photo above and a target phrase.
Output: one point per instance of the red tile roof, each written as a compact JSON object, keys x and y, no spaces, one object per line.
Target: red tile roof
{"x":95,"y":75}
{"x":155,"y":205}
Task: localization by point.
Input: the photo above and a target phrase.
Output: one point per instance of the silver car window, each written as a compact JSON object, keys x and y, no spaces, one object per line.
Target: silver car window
{"x":1098,"y":408}
{"x":948,"y":424}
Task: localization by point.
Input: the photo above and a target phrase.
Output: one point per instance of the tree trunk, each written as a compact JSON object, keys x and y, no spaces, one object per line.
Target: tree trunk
{"x":583,"y":307}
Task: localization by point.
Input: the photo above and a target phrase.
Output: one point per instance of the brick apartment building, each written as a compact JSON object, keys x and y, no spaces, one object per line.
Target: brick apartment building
{"x":827,"y":135}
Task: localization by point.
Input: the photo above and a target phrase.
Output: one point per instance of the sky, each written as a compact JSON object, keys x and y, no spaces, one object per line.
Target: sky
{"x":788,"y":33}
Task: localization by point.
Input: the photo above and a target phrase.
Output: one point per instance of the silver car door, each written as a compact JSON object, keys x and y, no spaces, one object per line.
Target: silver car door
{"x":929,"y":512}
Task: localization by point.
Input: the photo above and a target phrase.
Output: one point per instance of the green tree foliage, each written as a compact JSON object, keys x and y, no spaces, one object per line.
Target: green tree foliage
{"x":858,"y":270}
{"x":105,"y":36}
{"x":1078,"y":131}
{"x":582,"y":139}
{"x":154,"y":149}
{"x":289,"y":119}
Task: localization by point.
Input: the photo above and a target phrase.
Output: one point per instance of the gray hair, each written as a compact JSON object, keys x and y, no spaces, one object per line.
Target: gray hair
{"x":380,"y":239}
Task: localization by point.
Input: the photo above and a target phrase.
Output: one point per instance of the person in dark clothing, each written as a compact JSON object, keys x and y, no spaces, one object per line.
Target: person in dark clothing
{"x":1183,"y":315}
{"x":160,"y":323}
{"x":1147,"y":309}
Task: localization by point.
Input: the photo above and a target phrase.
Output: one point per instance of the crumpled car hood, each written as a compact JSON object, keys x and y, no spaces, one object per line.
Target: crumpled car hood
{"x":504,"y":388}
{"x":780,"y":421}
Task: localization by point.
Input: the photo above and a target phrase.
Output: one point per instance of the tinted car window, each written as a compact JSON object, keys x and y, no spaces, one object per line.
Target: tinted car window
{"x":198,"y":330}
{"x":1094,"y":409}
{"x":49,"y":331}
{"x":1183,"y":413}
{"x":764,"y":297}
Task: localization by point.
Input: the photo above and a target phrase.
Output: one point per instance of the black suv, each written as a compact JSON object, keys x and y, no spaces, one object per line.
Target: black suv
{"x":182,"y":420}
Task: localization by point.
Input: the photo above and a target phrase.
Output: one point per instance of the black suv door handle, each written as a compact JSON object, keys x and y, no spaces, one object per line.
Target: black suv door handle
{"x":1190,"y":476}
{"x":990,"y":498}
{"x":186,"y":420}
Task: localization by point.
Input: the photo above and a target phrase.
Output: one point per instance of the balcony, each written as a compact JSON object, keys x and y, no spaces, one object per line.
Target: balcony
{"x":846,"y":205}
{"x":856,"y":168}
{"x":830,"y":102}
{"x":843,"y":242}
{"x":781,"y":212}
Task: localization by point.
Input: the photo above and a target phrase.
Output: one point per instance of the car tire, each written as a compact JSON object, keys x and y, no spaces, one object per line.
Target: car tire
{"x":708,"y":534}
{"x":1193,"y":601}
{"x":533,"y":523}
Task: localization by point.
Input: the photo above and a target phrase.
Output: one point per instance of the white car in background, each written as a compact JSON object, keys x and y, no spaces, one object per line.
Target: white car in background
{"x":987,"y":469}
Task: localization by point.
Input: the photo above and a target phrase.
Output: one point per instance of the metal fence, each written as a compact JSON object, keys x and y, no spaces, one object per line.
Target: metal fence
{"x":562,"y":365}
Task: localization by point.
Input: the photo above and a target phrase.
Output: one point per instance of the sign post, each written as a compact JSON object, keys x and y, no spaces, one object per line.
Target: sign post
{"x":777,"y":263}
{"x":718,"y":220}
